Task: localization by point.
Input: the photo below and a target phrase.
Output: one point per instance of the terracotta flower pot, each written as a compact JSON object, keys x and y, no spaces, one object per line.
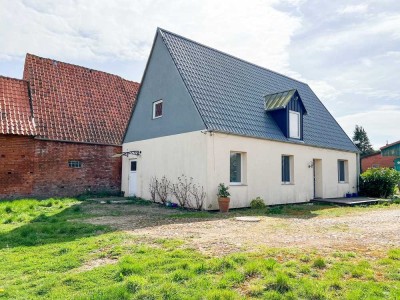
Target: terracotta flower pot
{"x":223,"y":203}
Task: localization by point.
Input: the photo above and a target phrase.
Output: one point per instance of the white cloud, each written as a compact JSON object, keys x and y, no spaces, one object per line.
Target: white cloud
{"x":125,"y":29}
{"x":381,"y":125}
{"x":351,"y":9}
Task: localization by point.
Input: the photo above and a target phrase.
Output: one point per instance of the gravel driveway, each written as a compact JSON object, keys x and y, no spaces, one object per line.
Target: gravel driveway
{"x":369,"y":231}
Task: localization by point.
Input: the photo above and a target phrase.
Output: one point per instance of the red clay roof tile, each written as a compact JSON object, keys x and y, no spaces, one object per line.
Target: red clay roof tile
{"x":15,"y":109}
{"x":77,"y":104}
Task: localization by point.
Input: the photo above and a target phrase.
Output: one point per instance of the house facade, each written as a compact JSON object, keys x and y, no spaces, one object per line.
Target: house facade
{"x":218,"y":119}
{"x":60,"y":128}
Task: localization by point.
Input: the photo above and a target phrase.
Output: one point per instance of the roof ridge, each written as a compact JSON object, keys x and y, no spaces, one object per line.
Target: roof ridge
{"x":161,"y":30}
{"x":12,"y":78}
{"x":280,"y":92}
{"x":389,"y":145}
{"x":79,"y":66}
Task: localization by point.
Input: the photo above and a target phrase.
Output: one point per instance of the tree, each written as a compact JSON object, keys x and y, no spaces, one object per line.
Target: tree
{"x":360,"y":138}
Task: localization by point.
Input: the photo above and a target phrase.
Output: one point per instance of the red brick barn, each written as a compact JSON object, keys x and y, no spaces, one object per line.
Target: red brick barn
{"x":60,"y":127}
{"x":376,"y":160}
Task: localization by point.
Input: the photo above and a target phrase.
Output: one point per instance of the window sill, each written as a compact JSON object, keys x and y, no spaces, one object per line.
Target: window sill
{"x":343,"y":182}
{"x":287,"y":183}
{"x":237,"y":184}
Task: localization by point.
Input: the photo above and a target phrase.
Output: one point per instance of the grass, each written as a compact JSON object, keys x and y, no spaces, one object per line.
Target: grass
{"x":49,"y":250}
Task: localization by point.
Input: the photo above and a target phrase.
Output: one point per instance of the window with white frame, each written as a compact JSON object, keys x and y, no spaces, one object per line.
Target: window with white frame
{"x":157,"y":109}
{"x":294,"y":124}
{"x":287,"y":169}
{"x":342,"y":171}
{"x":236,"y":168}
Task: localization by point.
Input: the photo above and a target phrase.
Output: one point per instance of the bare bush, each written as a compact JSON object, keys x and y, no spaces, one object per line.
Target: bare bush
{"x":153,"y":188}
{"x":181,"y":190}
{"x":163,"y":188}
{"x":199,"y":196}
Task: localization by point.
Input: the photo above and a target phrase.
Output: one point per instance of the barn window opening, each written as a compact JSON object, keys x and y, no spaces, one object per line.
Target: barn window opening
{"x":75,"y":164}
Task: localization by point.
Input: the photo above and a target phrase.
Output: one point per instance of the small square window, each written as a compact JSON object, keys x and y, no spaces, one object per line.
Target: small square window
{"x":157,"y":109}
{"x":76,"y":164}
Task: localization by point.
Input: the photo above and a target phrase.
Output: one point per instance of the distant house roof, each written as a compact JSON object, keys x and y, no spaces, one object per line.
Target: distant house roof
{"x":392,"y":149}
{"x":15,"y":109}
{"x":229,"y":95}
{"x":77,"y":104}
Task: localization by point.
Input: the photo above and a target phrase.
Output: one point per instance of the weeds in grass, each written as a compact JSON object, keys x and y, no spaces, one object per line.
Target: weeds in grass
{"x":319,"y":263}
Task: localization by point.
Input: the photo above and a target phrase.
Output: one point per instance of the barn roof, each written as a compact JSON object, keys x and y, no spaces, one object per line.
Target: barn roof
{"x":78,"y":104}
{"x":15,"y":110}
{"x":229,"y":95}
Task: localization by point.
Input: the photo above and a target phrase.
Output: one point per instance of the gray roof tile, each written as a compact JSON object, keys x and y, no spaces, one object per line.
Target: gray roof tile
{"x":229,"y":95}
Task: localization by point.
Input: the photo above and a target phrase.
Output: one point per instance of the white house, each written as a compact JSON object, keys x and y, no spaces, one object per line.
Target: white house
{"x":214,"y":117}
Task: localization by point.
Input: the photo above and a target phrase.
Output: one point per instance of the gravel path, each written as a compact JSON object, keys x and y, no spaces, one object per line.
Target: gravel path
{"x":370,"y":231}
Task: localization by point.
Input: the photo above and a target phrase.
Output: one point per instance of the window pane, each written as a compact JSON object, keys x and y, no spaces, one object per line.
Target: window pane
{"x":341,"y":171}
{"x":133,"y":165}
{"x":294,"y":124}
{"x":285,"y":168}
{"x":158,"y":108}
{"x":235,"y":170}
{"x":74,"y":164}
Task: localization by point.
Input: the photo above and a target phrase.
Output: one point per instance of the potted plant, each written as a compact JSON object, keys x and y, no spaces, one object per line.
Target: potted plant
{"x":223,"y":197}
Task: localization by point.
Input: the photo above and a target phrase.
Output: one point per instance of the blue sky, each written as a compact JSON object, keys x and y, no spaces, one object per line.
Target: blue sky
{"x":347,"y":51}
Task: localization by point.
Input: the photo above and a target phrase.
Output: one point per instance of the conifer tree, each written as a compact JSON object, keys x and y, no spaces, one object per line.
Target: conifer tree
{"x":360,"y":138}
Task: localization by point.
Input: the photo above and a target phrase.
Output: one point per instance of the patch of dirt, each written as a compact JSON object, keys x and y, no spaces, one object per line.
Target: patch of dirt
{"x":92,"y":264}
{"x":370,"y":232}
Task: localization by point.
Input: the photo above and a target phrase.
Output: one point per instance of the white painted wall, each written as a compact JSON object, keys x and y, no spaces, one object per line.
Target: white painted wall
{"x":171,"y":156}
{"x":264,"y":170}
{"x":206,"y":158}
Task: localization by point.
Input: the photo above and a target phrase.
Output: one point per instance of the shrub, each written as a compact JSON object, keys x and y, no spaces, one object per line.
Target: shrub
{"x":379,"y":182}
{"x":162,"y":189}
{"x":181,"y":190}
{"x":257,"y":203}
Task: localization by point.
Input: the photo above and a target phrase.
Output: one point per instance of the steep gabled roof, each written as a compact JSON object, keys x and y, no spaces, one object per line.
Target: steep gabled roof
{"x":15,"y":109}
{"x":229,"y":95}
{"x":77,"y":104}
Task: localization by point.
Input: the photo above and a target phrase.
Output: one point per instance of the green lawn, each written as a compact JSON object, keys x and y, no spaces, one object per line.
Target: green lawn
{"x":48,"y":251}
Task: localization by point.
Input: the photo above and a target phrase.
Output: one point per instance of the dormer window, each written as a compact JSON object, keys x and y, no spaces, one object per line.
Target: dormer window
{"x":294,"y":124}
{"x":287,"y":109}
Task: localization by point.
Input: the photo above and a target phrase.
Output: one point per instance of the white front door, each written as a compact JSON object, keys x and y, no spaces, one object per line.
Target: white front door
{"x":132,"y":177}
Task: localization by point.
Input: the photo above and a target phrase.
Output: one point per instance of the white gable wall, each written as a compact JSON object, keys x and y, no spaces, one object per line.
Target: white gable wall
{"x":169,"y":156}
{"x":206,"y":158}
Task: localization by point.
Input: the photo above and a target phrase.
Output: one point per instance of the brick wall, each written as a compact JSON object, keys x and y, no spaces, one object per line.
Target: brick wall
{"x":40,"y":168}
{"x":377,"y":159}
{"x":16,"y":165}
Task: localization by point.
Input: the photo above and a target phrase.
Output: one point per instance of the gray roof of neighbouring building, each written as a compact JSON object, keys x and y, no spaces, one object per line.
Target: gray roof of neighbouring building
{"x":229,"y":95}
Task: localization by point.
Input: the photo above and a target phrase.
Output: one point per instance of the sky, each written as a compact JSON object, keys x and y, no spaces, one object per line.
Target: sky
{"x":347,"y":51}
